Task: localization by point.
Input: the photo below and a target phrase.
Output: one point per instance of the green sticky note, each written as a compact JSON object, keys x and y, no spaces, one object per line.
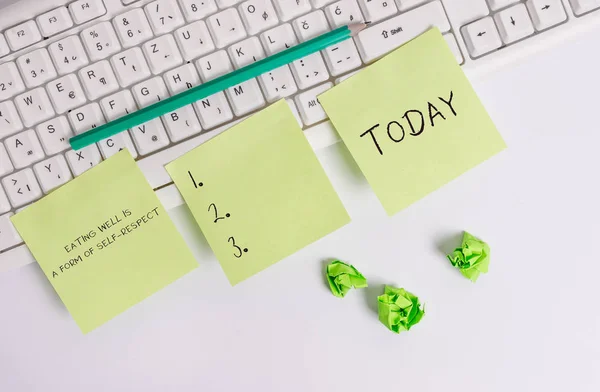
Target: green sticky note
{"x":104,"y":241}
{"x":258,"y":192}
{"x":412,"y":121}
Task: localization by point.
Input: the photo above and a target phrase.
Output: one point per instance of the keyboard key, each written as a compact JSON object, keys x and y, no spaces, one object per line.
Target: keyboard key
{"x":194,"y":40}
{"x":86,"y":10}
{"x":9,"y":119}
{"x":197,"y":9}
{"x":34,"y":106}
{"x":214,"y":65}
{"x":226,"y":3}
{"x":481,"y":37}
{"x":213,"y":110}
{"x":10,"y":81}
{"x":290,"y":9}
{"x":514,"y":23}
{"x":81,"y":160}
{"x":4,"y":49}
{"x":320,"y":3}
{"x":498,"y":4}
{"x":226,"y":27}
{"x":278,"y":83}
{"x":258,"y":15}
{"x":246,"y":52}
{"x":182,"y":123}
{"x":546,"y":13}
{"x":9,"y":236}
{"x":308,"y":105}
{"x":164,"y":16}
{"x":66,"y":93}
{"x":182,"y":78}
{"x":6,"y":165}
{"x":68,"y":55}
{"x":580,"y":7}
{"x":24,"y":149}
{"x":280,"y":38}
{"x":342,"y":57}
{"x":4,"y":203}
{"x":100,"y":41}
{"x":54,"y":135}
{"x":379,"y":39}
{"x":86,"y":117}
{"x":150,"y":91}
{"x":245,"y":97}
{"x":309,"y":71}
{"x":451,"y":40}
{"x":292,"y":106}
{"x":113,"y":107}
{"x":343,"y":13}
{"x":36,"y":68}
{"x":130,"y":66}
{"x":21,"y":187}
{"x":162,"y":53}
{"x":150,"y":136}
{"x":404,"y":5}
{"x":98,"y":80}
{"x":23,"y":35}
{"x":376,"y":10}
{"x":132,"y":27}
{"x":55,"y":21}
{"x":311,"y":25}
{"x":52,"y":173}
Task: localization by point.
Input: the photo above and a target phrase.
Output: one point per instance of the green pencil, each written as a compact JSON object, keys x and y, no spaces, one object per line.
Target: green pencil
{"x":214,"y":86}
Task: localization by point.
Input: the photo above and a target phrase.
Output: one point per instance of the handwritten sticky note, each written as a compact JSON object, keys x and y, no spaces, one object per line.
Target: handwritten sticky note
{"x":104,"y":241}
{"x":258,"y":192}
{"x":412,"y":121}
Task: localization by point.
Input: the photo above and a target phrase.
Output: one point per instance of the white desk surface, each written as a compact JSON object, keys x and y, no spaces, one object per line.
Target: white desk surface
{"x":531,"y":324}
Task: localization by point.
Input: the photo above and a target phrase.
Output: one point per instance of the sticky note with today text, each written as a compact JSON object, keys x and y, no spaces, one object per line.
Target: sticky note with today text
{"x":412,"y":121}
{"x":104,"y":241}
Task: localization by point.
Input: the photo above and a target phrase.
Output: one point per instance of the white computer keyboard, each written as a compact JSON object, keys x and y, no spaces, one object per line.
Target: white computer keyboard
{"x":68,"y":66}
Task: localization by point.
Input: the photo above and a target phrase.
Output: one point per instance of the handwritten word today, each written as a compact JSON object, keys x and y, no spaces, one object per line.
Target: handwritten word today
{"x":415,"y":120}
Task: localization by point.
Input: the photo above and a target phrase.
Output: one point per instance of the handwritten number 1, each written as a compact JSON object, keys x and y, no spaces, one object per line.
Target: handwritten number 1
{"x":239,"y":253}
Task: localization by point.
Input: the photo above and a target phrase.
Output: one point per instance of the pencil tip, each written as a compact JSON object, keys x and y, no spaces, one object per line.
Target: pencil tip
{"x":356,"y":28}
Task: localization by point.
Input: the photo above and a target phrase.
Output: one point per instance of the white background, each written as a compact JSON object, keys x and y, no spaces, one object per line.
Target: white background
{"x":532,"y":323}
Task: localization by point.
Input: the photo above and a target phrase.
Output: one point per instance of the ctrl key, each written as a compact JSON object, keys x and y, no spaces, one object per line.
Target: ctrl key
{"x":8,"y":234}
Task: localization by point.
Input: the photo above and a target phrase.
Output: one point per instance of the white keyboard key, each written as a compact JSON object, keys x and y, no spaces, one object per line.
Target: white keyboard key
{"x":246,"y":52}
{"x":66,"y":93}
{"x":376,"y":10}
{"x":481,"y":37}
{"x":68,"y":54}
{"x":9,"y":236}
{"x":226,"y":3}
{"x":342,"y":57}
{"x":98,"y":80}
{"x":580,"y":7}
{"x":9,"y":119}
{"x":320,"y":3}
{"x":130,"y":66}
{"x":162,"y":53}
{"x":245,"y":97}
{"x":404,"y":5}
{"x":311,"y":25}
{"x":150,"y":91}
{"x":194,"y":40}
{"x":132,"y":27}
{"x":55,"y":21}
{"x":36,"y":68}
{"x":546,"y":13}
{"x":4,"y":203}
{"x":24,"y":149}
{"x":6,"y":165}
{"x":290,"y":9}
{"x":150,"y":136}
{"x":81,"y":160}
{"x":379,"y":39}
{"x":280,"y":38}
{"x":86,"y":117}
{"x":308,"y":105}
{"x":164,"y":16}
{"x":21,"y":187}
{"x":4,"y":49}
{"x":113,"y":107}
{"x":258,"y":15}
{"x":278,"y":83}
{"x":54,"y":135}
{"x":52,"y":173}
{"x":451,"y":40}
{"x":182,"y":123}
{"x":292,"y":106}
{"x":213,"y":110}
{"x":309,"y":71}
{"x":226,"y":27}
{"x":498,"y":4}
{"x":214,"y":65}
{"x":182,"y":78}
{"x":514,"y":23}
{"x":23,"y":35}
{"x":10,"y":81}
{"x":343,"y":13}
{"x":86,"y":10}
{"x":34,"y":106}
{"x":100,"y":41}
{"x":197,"y":9}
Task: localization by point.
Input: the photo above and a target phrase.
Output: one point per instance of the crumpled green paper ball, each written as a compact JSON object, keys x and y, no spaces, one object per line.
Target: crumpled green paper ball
{"x":399,"y":310}
{"x":473,"y":258}
{"x":342,"y":277}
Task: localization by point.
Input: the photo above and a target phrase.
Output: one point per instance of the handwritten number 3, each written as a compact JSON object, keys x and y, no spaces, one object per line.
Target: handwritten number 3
{"x":239,"y":252}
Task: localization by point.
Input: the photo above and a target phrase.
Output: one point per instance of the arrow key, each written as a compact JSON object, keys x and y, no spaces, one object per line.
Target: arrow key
{"x":481,"y":37}
{"x":514,"y":23}
{"x":546,"y":13}
{"x":21,"y":187}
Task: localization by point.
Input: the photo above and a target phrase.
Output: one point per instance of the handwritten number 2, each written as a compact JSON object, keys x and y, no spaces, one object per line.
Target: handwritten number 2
{"x":239,"y":253}
{"x":217,"y":217}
